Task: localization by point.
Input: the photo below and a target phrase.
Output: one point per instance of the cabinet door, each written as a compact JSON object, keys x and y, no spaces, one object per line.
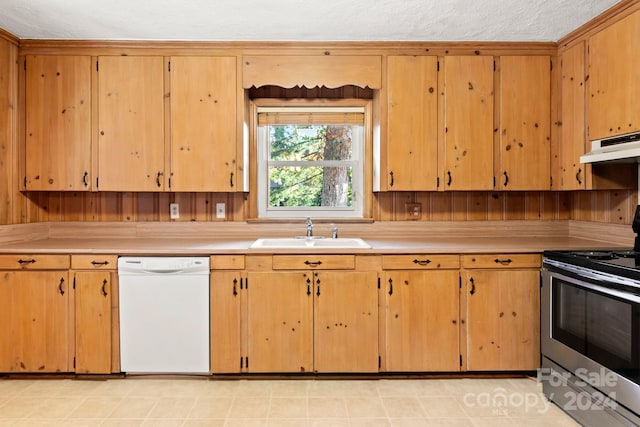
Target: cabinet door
{"x":279,"y":322}
{"x":35,"y":323}
{"x":503,"y":319}
{"x":226,"y":287}
{"x":572,"y":131}
{"x":422,"y":321}
{"x":58,"y":123}
{"x":412,"y":123}
{"x":130,"y":123}
{"x":203,"y":124}
{"x":614,"y":79}
{"x":346,"y":321}
{"x":93,"y":322}
{"x":525,"y":115}
{"x":468,"y":118}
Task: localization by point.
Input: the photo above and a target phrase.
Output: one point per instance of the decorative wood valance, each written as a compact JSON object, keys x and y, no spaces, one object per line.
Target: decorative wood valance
{"x":311,"y":71}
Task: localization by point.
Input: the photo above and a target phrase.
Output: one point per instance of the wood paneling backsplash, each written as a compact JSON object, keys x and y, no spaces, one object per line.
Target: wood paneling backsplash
{"x":599,"y":206}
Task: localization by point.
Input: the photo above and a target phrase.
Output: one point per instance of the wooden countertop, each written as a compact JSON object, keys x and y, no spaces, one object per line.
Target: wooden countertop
{"x":232,"y":238}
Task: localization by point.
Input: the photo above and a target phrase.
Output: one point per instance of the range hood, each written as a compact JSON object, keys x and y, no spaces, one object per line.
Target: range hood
{"x":619,"y":149}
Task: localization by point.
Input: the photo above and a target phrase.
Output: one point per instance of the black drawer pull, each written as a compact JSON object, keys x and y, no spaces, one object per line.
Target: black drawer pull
{"x":422,"y":261}
{"x":313,"y":263}
{"x":503,"y":261}
{"x":97,"y":263}
{"x":26,"y":261}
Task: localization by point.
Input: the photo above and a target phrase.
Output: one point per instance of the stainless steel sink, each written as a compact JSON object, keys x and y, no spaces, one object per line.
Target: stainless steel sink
{"x":309,"y":243}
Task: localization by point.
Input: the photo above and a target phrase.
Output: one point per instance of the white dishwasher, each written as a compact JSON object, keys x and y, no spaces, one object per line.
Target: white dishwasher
{"x":164,"y":314}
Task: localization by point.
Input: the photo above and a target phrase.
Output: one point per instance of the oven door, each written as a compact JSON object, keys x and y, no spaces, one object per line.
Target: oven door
{"x":590,"y":325}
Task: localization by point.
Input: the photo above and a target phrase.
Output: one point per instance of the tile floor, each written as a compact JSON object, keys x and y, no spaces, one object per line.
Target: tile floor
{"x":145,"y":401}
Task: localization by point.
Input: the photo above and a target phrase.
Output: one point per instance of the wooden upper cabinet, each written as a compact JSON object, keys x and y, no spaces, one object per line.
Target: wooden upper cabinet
{"x":468,"y":122}
{"x":203,"y":124}
{"x":58,"y":123}
{"x":614,"y":79}
{"x":131,"y":123}
{"x":524,"y":161}
{"x":572,"y":107}
{"x":411,"y":140}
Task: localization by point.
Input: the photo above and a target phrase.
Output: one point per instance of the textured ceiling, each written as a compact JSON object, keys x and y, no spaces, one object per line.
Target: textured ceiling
{"x":298,"y":20}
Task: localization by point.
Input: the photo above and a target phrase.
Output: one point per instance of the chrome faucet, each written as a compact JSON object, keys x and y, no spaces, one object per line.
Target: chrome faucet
{"x":309,"y":227}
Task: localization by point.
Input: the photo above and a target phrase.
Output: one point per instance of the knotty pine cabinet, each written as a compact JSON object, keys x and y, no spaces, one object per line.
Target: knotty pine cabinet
{"x":613,"y":88}
{"x":227,"y":294}
{"x":524,"y":109}
{"x":411,"y":152}
{"x":501,"y":312}
{"x":35,"y":314}
{"x":131,"y":123}
{"x":311,"y":314}
{"x":203,"y":124}
{"x":58,"y":123}
{"x":422,"y":318}
{"x":94,"y":284}
{"x":468,"y":98}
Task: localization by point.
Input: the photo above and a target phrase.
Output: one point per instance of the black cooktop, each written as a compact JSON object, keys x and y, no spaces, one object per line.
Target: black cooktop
{"x":620,"y":262}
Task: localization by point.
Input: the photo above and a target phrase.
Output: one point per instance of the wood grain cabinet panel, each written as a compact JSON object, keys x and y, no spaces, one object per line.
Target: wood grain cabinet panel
{"x":614,"y":79}
{"x":502,"y":318}
{"x":227,"y":292}
{"x":468,"y":98}
{"x":34,"y":314}
{"x":422,"y":320}
{"x":58,"y":123}
{"x":524,"y":160}
{"x":93,"y":296}
{"x":203,"y":124}
{"x":412,"y":110}
{"x":131,"y":146}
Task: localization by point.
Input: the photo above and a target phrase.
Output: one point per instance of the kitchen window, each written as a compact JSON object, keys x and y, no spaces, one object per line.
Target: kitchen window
{"x":310,"y":161}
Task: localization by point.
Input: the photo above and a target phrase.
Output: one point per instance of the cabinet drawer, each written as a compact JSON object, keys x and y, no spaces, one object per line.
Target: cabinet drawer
{"x":227,"y":262}
{"x":420,"y":262}
{"x":501,"y":261}
{"x":316,"y":262}
{"x":34,"y":262}
{"x":94,"y":262}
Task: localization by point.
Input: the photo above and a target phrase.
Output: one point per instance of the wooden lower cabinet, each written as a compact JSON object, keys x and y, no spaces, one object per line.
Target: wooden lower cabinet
{"x":312,"y":321}
{"x":95,"y":287}
{"x":225,"y":328}
{"x":34,"y":314}
{"x":93,"y":321}
{"x":502,"y":315}
{"x":422,"y":321}
{"x":279,"y":322}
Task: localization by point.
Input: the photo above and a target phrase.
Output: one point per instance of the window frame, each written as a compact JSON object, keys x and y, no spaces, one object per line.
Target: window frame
{"x":259,"y":168}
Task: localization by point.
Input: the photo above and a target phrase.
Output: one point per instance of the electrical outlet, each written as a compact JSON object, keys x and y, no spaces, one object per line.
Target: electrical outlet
{"x":413,"y":211}
{"x":220,"y":211}
{"x":174,"y":210}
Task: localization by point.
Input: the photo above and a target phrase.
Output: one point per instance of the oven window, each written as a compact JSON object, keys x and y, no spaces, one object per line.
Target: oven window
{"x":602,"y":327}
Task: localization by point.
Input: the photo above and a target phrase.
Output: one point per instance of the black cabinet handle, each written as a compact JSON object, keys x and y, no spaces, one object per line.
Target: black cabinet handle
{"x":503,"y":261}
{"x":449,"y":181}
{"x":390,"y":286}
{"x":26,"y":261}
{"x":578,"y":176}
{"x":422,"y":261}
{"x":97,"y":263}
{"x":317,"y":287}
{"x":473,"y":286}
{"x":391,"y":175}
{"x":60,"y":290}
{"x":235,"y":283}
{"x":308,"y":286}
{"x":158,"y":183}
{"x":231,"y":179}
{"x":85,"y":179}
{"x":313,"y":263}
{"x":506,"y":178}
{"x":104,"y":287}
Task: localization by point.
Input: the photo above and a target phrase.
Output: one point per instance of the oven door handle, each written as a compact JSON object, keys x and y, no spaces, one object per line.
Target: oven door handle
{"x":627,"y":296}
